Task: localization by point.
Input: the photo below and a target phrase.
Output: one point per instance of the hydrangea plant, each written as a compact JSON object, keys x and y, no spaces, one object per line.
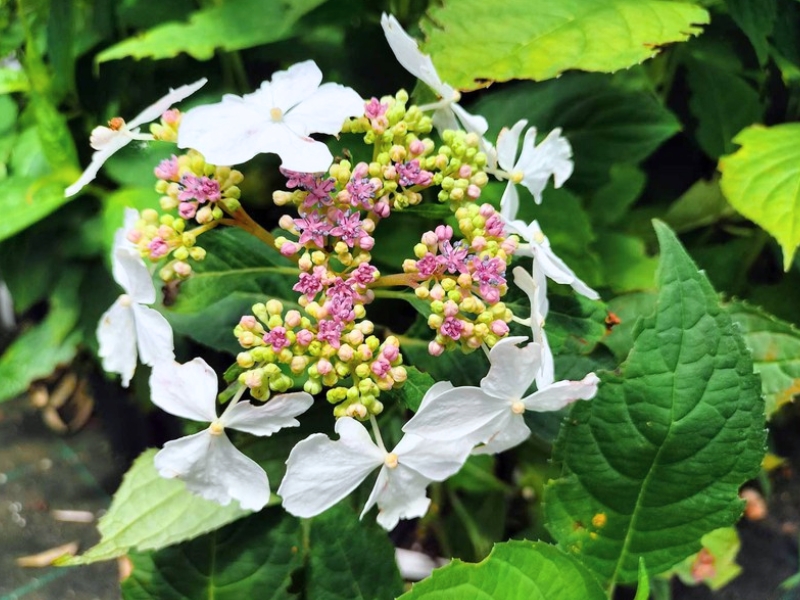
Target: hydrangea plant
{"x":390,"y":328}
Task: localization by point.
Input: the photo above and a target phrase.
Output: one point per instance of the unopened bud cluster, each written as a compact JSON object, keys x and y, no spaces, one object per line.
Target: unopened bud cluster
{"x":328,"y":343}
{"x":465,"y":280}
{"x":193,"y":194}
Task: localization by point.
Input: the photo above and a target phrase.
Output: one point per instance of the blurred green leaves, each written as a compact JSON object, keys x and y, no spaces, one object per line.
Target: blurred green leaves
{"x":536,"y":39}
{"x":231,"y":25}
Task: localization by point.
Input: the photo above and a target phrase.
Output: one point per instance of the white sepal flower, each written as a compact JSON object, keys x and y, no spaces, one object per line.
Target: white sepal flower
{"x":536,"y":290}
{"x":320,"y":472}
{"x":535,"y":165}
{"x":544,"y":259}
{"x":130,"y":328}
{"x":106,"y":141}
{"x":207,"y":462}
{"x":277,"y":118}
{"x":492,"y":414}
{"x":448,"y":115}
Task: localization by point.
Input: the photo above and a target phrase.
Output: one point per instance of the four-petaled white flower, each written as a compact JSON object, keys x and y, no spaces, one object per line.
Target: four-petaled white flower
{"x":492,"y":414}
{"x":544,"y":259}
{"x":448,"y":113}
{"x":208,"y":462}
{"x":535,"y":165}
{"x":130,"y":324}
{"x":536,"y":290}
{"x":276,"y":118}
{"x":320,"y":472}
{"x":107,"y":140}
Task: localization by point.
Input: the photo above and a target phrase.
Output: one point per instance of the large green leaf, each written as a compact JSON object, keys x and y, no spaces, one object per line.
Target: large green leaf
{"x":25,"y":200}
{"x":473,"y":41}
{"x":655,"y":461}
{"x":762,"y":181}
{"x":149,"y":512}
{"x":253,"y":558}
{"x":350,"y":559}
{"x":515,"y":570}
{"x":775,"y":346}
{"x":756,"y":18}
{"x":37,"y":352}
{"x":605,"y":122}
{"x":626,"y":264}
{"x":723,"y":103}
{"x":227,"y":26}
{"x":238,"y":271}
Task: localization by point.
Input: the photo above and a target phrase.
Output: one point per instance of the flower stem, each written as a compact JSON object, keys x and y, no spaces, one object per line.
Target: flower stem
{"x":236,"y":397}
{"x":376,"y":432}
{"x":406,"y":279}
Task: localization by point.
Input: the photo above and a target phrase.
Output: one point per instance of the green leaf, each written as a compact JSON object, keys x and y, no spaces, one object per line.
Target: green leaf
{"x":723,"y":103}
{"x":57,"y":142}
{"x":655,"y":461}
{"x":628,"y":308}
{"x":701,"y":205}
{"x":38,"y":351}
{"x":149,"y":512}
{"x":13,"y":80}
{"x":626,"y":264}
{"x":643,"y":587}
{"x":238,"y":271}
{"x":26,"y":200}
{"x":536,"y":39}
{"x":515,"y":570}
{"x":413,"y":389}
{"x":762,"y":181}
{"x":229,"y":26}
{"x":756,"y":18}
{"x":775,"y":346}
{"x":611,"y":202}
{"x":252,"y":558}
{"x":350,"y":559}
{"x":605,"y":122}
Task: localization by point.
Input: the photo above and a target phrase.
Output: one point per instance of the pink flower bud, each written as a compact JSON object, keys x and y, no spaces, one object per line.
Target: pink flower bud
{"x":171,"y":116}
{"x":465,"y":171}
{"x":293,"y":318}
{"x":324,"y":366}
{"x":390,"y":353}
{"x":487,"y":210}
{"x":304,"y":337}
{"x":435,"y":349}
{"x":289,"y":249}
{"x":247,"y":322}
{"x":187,"y":210}
{"x":286,"y":222}
{"x":366,"y":242}
{"x":416,"y":147}
{"x":473,"y":192}
{"x":345,"y":353}
{"x":450,"y":309}
{"x":479,"y":243}
{"x":499,"y":328}
{"x":382,"y":208}
{"x":444,"y":232}
{"x":430,"y":239}
{"x":183,"y":269}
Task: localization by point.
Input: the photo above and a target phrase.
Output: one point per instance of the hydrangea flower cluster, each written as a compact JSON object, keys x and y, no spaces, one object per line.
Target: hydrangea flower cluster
{"x":458,"y":273}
